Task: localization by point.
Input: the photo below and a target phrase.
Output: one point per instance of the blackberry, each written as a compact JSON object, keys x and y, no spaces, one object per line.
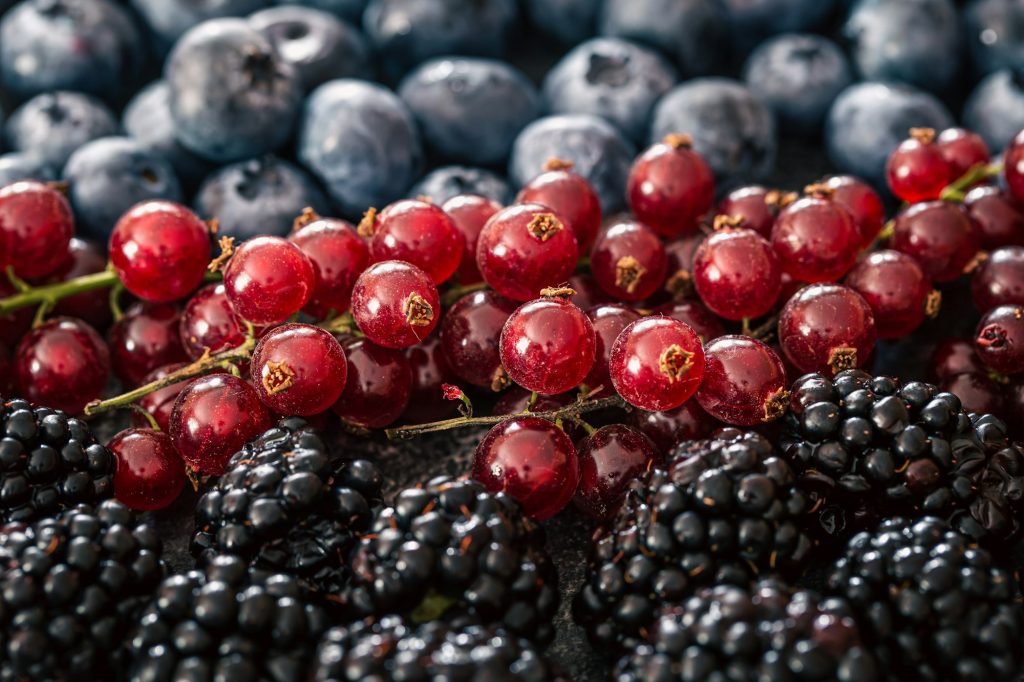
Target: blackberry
{"x":451,"y":550}
{"x":391,"y":649}
{"x":930,"y":603}
{"x":723,"y":511}
{"x":48,"y":462}
{"x":868,"y":448}
{"x":226,"y":622}
{"x":766,"y":632}
{"x":72,"y":586}
{"x":286,"y":505}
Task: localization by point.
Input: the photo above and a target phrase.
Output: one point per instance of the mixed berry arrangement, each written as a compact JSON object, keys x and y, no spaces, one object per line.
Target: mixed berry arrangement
{"x":641,"y":395}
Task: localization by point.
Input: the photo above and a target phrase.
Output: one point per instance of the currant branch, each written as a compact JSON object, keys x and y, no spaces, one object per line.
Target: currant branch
{"x":957,"y":190}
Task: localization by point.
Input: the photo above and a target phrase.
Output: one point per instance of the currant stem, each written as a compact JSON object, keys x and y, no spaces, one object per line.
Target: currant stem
{"x":957,"y":190}
{"x":455,"y":293}
{"x":52,"y":293}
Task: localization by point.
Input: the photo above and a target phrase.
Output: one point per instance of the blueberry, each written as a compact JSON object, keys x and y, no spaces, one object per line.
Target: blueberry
{"x":53,"y":125}
{"x":108,"y":176}
{"x":995,"y":110}
{"x":798,"y":76}
{"x":470,"y":110}
{"x":258,"y":196}
{"x":408,"y":33}
{"x":361,"y":142}
{"x":443,"y":183}
{"x":349,"y":10}
{"x":868,"y":120}
{"x":731,"y":128}
{"x":612,"y":78}
{"x":753,"y":21}
{"x":693,"y":32}
{"x":994,"y":30}
{"x":87,"y":45}
{"x":319,"y":46}
{"x":232,"y":96}
{"x":20,"y":166}
{"x":909,"y":41}
{"x":570,"y":22}
{"x":597,"y":150}
{"x":169,"y":19}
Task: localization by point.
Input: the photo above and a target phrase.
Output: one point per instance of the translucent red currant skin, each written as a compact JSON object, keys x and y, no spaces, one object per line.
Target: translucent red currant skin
{"x":999,"y":339}
{"x":750,"y":206}
{"x":1013,"y":167}
{"x":939,"y":235}
{"x":610,"y":459}
{"x":84,"y":258}
{"x":588,"y":294}
{"x":896,"y":288}
{"x":429,"y":371}
{"x":977,"y":392}
{"x":378,"y":385}
{"x":628,"y":261}
{"x":571,"y":198}
{"x":670,"y":187}
{"x":63,"y":363}
{"x":736,"y":274}
{"x":548,"y":346}
{"x":916,"y":170}
{"x":298,"y":369}
{"x":160,"y":250}
{"x":744,"y":382}
{"x":149,"y":474}
{"x":159,"y":403}
{"x":470,"y":333}
{"x":999,"y":280}
{"x":862,"y":202}
{"x":669,"y":428}
{"x":395,"y":304}
{"x":338,"y":255}
{"x":470,"y":212}
{"x":679,"y":274}
{"x":656,"y":363}
{"x":208,"y":322}
{"x":815,"y":240}
{"x":532,"y":461}
{"x":962,"y":150}
{"x":420,"y":233}
{"x":609,"y":320}
{"x":144,"y":339}
{"x":36,"y":226}
{"x":268,"y":280}
{"x":955,"y":356}
{"x":696,"y":316}
{"x":827,"y":328}
{"x":516,"y":400}
{"x":998,"y":218}
{"x":525,"y":248}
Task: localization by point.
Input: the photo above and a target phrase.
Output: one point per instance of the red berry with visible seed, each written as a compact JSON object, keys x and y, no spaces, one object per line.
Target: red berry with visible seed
{"x":998,"y":218}
{"x":628,"y":261}
{"x":827,"y":328}
{"x":1013,"y":167}
{"x":999,"y":280}
{"x":816,"y":239}
{"x":298,"y":369}
{"x":470,"y":212}
{"x":395,"y":304}
{"x":669,"y":428}
{"x":962,"y":150}
{"x":268,"y":279}
{"x":862,"y":202}
{"x":209,"y":323}
{"x":955,"y":356}
{"x":470,"y":333}
{"x":417,"y":232}
{"x":429,"y":372}
{"x":610,"y":459}
{"x":999,"y":339}
{"x":939,"y":235}
{"x":916,"y":170}
{"x":145,"y":338}
{"x":63,"y":363}
{"x":753,"y":207}
{"x":609,"y":320}
{"x":84,"y":258}
{"x":338,"y":256}
{"x":744,"y":382}
{"x":694,"y":315}
{"x":736,"y":274}
{"x":656,"y":363}
{"x":150,"y":474}
{"x":377,"y":387}
{"x":36,"y":227}
{"x":898,"y":291}
{"x":570,"y":196}
{"x":977,"y":393}
{"x":671,"y":187}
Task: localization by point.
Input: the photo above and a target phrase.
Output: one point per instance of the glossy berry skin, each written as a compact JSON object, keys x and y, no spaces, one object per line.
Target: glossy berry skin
{"x":378,"y":384}
{"x":744,"y":382}
{"x":679,"y":274}
{"x":999,"y":339}
{"x":695,"y":315}
{"x":213,"y":417}
{"x":339,"y":256}
{"x":150,"y":474}
{"x":531,"y":460}
{"x":862,"y":202}
{"x":815,"y":240}
{"x":1000,"y":279}
{"x":670,"y":187}
{"x":298,"y":369}
{"x":525,"y":248}
{"x":395,"y":304}
{"x":669,"y":428}
{"x":429,"y":372}
{"x":998,"y":218}
{"x":955,"y":356}
{"x":208,"y":322}
{"x":827,"y":328}
{"x":939,"y":235}
{"x":656,"y":363}
{"x":588,"y":294}
{"x":470,"y":212}
{"x":628,"y":261}
{"x":268,"y":280}
{"x":548,"y":346}
{"x":84,"y":258}
{"x":36,"y":227}
{"x":144,"y":339}
{"x":610,"y":459}
{"x":977,"y":393}
{"x":896,"y":288}
{"x":1013,"y":167}
{"x":470,"y":333}
{"x":420,"y":233}
{"x":572,"y":199}
{"x":962,"y":150}
{"x":753,"y":206}
{"x":609,"y":320}
{"x":916,"y":170}
{"x":63,"y":363}
{"x":736,"y":274}
{"x":160,"y":250}
{"x":159,"y":403}
{"x":516,"y":400}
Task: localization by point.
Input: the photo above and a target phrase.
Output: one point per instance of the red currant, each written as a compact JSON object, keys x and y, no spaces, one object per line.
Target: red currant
{"x":977,"y":392}
{"x":378,"y":385}
{"x":144,"y":339}
{"x":939,"y":235}
{"x":15,"y":324}
{"x":628,"y":261}
{"x":298,"y":369}
{"x":916,"y":169}
{"x":470,"y":213}
{"x":999,"y":280}
{"x":609,"y":320}
{"x":816,"y":239}
{"x":588,"y":294}
{"x":338,"y":255}
{"x":999,"y":339}
{"x":998,"y":218}
{"x":429,"y":371}
{"x":753,"y":208}
{"x":670,"y":187}
{"x":1013,"y":167}
{"x":862,"y":202}
{"x":36,"y":227}
{"x":962,"y":150}
{"x":84,"y":258}
{"x":827,"y":328}
{"x":571,"y":198}
{"x":671,"y":427}
{"x":268,"y":280}
{"x":417,"y":232}
{"x":955,"y":356}
{"x":694,"y":315}
{"x":62,"y":363}
{"x":517,"y":400}
{"x":656,"y":363}
{"x":209,"y":323}
{"x":159,"y":403}
{"x":150,"y":474}
{"x":395,"y":304}
{"x":469,"y":338}
{"x":610,"y":459}
{"x":736,"y":274}
{"x":896,"y":288}
{"x":532,"y":461}
{"x":744,"y":382}
{"x":679,"y":280}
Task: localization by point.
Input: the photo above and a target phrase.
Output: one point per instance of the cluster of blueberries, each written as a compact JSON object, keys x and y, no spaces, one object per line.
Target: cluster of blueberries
{"x":252,"y":109}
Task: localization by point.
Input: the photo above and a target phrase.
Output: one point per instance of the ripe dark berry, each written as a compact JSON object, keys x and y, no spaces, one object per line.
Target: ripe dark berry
{"x":753,"y":207}
{"x":338,"y":255}
{"x":939,"y":235}
{"x":36,"y":227}
{"x":669,"y":428}
{"x":896,"y":289}
{"x":862,"y":202}
{"x":209,"y":323}
{"x":916,"y":170}
{"x":470,"y":333}
{"x":1013,"y":167}
{"x":962,"y":150}
{"x":610,"y":459}
{"x":656,"y":363}
{"x":395,"y":304}
{"x":570,"y":196}
{"x":377,"y":386}
{"x":999,"y":339}
{"x":736,"y":274}
{"x":608,"y":320}
{"x":696,"y":316}
{"x":827,"y":328}
{"x":470,"y":212}
{"x":816,"y":238}
{"x":145,"y":338}
{"x":268,"y":280}
{"x":998,"y":218}
{"x":298,"y":369}
{"x":744,"y":381}
{"x":999,"y":280}
{"x":417,"y":232}
{"x":671,"y":187}
{"x":150,"y":473}
{"x":62,"y":363}
{"x":628,"y":261}
{"x":955,"y":356}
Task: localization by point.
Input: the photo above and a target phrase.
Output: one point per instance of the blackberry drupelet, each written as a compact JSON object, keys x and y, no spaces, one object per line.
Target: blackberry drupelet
{"x":766,"y":632}
{"x":48,"y":462}
{"x":868,"y":448}
{"x":286,"y":505}
{"x":931,"y":604}
{"x":226,"y":622}
{"x":72,"y":588}
{"x":723,"y":511}
{"x":451,"y":550}
{"x":392,"y":649}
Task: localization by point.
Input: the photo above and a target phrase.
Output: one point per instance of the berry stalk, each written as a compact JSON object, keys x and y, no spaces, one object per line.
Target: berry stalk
{"x":957,"y":190}
{"x":50,"y":294}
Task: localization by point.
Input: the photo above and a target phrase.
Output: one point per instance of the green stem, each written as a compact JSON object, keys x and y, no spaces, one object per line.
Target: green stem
{"x":52,"y":293}
{"x":455,"y":293}
{"x":958,"y":190}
